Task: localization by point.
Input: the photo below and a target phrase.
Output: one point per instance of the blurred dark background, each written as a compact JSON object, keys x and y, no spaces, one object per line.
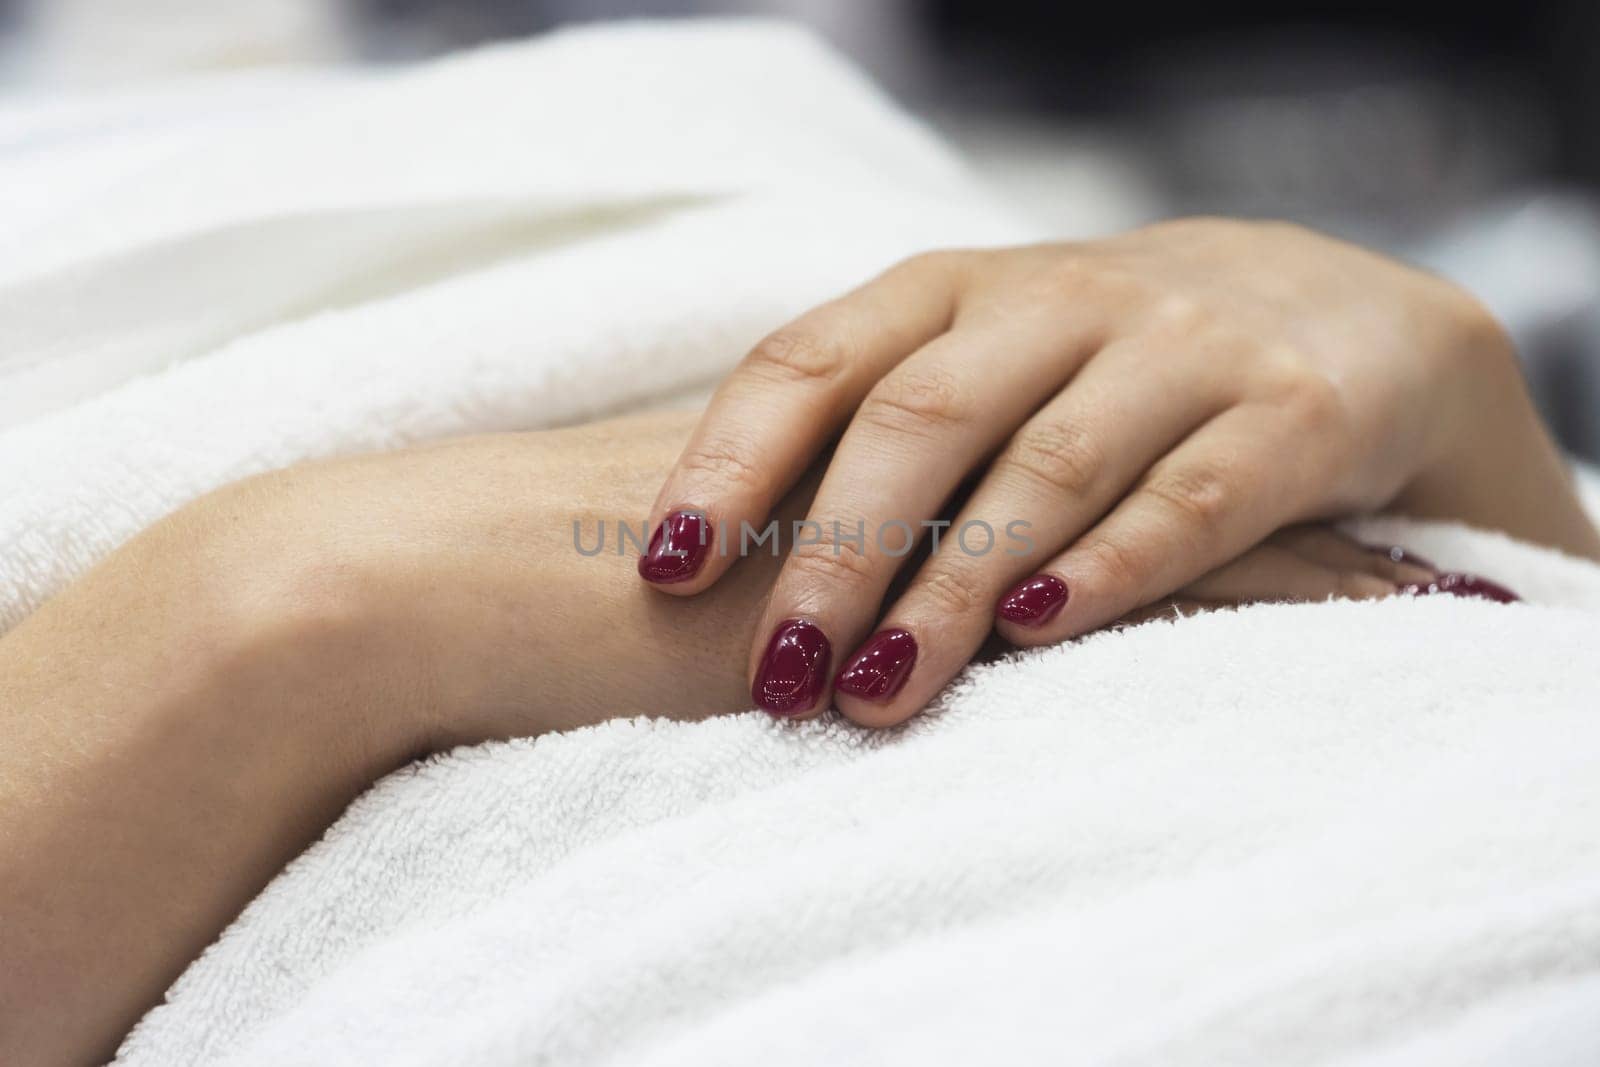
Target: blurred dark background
{"x":1460,"y":135}
{"x":1403,"y":112}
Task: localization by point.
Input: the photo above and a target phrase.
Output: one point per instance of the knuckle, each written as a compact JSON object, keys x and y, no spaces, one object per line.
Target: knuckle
{"x":1183,"y":315}
{"x":1119,"y":565}
{"x":920,"y":402}
{"x":1079,"y":274}
{"x":1315,"y":403}
{"x":1201,"y":495}
{"x":1309,"y":407}
{"x":1062,"y":456}
{"x":1205,"y":229}
{"x":1072,"y":271}
{"x":954,"y":591}
{"x":1044,"y":284}
{"x":723,"y":463}
{"x":795,"y":354}
{"x":832,"y":559}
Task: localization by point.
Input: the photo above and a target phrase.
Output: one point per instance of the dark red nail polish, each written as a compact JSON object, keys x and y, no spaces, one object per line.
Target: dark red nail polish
{"x":1457,"y":584}
{"x":1397,"y":554}
{"x":793,"y":669}
{"x":1034,"y":602}
{"x":677,"y":549}
{"x":880,"y":667}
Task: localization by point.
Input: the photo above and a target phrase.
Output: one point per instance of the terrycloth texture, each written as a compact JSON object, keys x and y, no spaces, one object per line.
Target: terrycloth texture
{"x":1351,"y":833}
{"x":525,"y":236}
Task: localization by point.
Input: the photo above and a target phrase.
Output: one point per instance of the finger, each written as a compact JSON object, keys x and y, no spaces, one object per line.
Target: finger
{"x":1332,"y":548}
{"x":1269,"y":572}
{"x":917,"y":434}
{"x":1235,"y":480}
{"x":1066,"y":466}
{"x":1278,"y":580}
{"x":778,"y":410}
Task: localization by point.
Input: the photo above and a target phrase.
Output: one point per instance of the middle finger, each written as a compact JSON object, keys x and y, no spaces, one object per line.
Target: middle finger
{"x":915,"y":437}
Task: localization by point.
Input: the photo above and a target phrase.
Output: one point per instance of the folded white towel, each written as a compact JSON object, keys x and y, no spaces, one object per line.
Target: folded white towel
{"x":1333,"y":833}
{"x":525,"y":236}
{"x":1357,"y":833}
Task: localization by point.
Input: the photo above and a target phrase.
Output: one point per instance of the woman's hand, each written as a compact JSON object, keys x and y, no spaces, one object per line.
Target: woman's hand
{"x":1137,"y":411}
{"x":189,"y":715}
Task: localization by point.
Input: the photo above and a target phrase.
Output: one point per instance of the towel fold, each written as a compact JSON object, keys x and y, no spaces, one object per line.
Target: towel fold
{"x":521,"y":237}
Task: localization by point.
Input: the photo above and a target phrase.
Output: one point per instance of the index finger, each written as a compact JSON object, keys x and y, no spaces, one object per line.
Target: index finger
{"x":771,"y":418}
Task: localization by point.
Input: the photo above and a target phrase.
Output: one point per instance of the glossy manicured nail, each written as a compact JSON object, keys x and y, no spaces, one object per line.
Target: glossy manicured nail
{"x":1397,"y":554}
{"x":1456,"y":584}
{"x":1034,"y":602}
{"x":793,"y":669}
{"x":677,"y":549}
{"x":880,"y":667}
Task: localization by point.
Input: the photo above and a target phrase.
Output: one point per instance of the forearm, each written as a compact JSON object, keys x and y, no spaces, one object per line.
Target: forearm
{"x":163,"y":757}
{"x":186,"y":718}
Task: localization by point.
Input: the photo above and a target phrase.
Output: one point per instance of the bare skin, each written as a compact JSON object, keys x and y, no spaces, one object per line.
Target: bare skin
{"x":1152,"y":405}
{"x":189,"y":715}
{"x":193,"y":712}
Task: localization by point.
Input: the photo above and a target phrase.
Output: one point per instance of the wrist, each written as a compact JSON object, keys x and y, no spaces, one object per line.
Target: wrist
{"x":297,"y":629}
{"x":1494,"y":464}
{"x":1476,"y":392}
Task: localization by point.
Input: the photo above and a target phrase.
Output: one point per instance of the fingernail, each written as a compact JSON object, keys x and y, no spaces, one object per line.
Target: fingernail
{"x":880,"y":667}
{"x":1457,"y":584}
{"x":677,"y":549}
{"x":1397,"y":554}
{"x":1034,"y":602}
{"x":793,"y":669}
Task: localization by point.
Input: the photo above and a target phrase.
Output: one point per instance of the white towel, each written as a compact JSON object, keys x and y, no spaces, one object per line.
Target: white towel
{"x":525,"y":236}
{"x":1353,"y":833}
